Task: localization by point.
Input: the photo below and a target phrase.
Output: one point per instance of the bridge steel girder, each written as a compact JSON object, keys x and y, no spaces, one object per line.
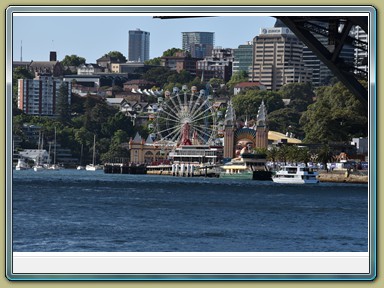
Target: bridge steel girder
{"x":331,"y":60}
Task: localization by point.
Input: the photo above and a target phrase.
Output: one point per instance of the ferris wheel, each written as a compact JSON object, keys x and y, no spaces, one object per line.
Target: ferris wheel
{"x":186,"y":117}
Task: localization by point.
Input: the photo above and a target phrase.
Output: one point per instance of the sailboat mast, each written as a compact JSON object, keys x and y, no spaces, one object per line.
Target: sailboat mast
{"x":94,"y":150}
{"x":54,"y":150}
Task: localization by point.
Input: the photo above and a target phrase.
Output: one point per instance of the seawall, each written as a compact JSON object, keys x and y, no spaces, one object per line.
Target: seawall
{"x":341,"y":177}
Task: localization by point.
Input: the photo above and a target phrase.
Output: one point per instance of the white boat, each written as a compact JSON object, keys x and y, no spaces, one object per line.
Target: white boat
{"x":295,"y":175}
{"x":81,"y":167}
{"x":21,"y":165}
{"x":93,"y":166}
{"x":54,"y":166}
{"x":38,"y":167}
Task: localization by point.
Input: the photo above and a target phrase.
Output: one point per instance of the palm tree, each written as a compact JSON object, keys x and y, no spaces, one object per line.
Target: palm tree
{"x":272,"y":155}
{"x":325,"y":155}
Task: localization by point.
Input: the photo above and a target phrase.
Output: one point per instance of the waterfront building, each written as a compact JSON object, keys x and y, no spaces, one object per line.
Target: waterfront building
{"x":278,"y":58}
{"x":199,"y":44}
{"x":138,"y":45}
{"x":242,"y":57}
{"x":39,"y":96}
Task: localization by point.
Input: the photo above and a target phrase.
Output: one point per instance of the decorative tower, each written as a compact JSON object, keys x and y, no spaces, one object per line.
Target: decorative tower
{"x":229,"y":129}
{"x":262,"y":128}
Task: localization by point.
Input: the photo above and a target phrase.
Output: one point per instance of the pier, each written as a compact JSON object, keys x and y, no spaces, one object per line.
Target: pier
{"x":124,"y":168}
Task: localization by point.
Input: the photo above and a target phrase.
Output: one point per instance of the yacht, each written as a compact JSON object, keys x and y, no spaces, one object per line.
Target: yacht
{"x":295,"y":175}
{"x":93,"y":166}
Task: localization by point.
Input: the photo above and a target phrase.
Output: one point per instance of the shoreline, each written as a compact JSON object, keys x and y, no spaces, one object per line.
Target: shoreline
{"x":342,"y":178}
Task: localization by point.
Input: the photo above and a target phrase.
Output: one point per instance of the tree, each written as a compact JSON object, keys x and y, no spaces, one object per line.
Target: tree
{"x":300,"y":94}
{"x":154,"y":61}
{"x":72,"y":60}
{"x":247,"y":105}
{"x":237,"y":77}
{"x":158,"y":75}
{"x":286,"y":120}
{"x":62,"y":104}
{"x":324,"y":155}
{"x":118,"y":55}
{"x":337,"y":115}
{"x":172,"y":52}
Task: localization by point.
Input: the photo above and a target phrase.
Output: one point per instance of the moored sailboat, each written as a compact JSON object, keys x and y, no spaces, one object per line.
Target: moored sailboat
{"x":93,"y":166}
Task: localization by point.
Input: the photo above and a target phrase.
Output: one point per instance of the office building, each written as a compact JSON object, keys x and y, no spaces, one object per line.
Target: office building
{"x":278,"y":59}
{"x":138,"y":45}
{"x":242,"y":57}
{"x":199,"y":44}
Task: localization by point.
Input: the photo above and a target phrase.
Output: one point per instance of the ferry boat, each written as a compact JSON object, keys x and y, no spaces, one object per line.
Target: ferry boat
{"x":247,"y":166}
{"x":295,"y":175}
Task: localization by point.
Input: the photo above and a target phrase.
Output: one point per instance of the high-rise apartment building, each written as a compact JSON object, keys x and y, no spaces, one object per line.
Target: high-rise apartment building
{"x":278,"y":58}
{"x":40,"y":96}
{"x":242,"y":57}
{"x":199,"y":44}
{"x":138,"y":45}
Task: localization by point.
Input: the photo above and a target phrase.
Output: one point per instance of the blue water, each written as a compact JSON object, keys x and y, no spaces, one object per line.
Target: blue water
{"x":82,"y":211}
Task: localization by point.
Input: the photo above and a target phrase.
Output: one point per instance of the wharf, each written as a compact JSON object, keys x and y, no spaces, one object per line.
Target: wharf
{"x":122,"y":168}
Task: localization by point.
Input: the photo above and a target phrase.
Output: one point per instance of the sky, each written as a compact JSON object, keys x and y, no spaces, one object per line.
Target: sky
{"x":91,"y":37}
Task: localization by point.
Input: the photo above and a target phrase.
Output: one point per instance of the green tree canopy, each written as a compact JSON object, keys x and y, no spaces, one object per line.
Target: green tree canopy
{"x":286,"y":120}
{"x":158,"y":75}
{"x":237,"y":77}
{"x":247,"y":105}
{"x":337,"y":115}
{"x":63,"y":108}
{"x":300,"y":94}
{"x":72,"y":60}
{"x":118,"y":55}
{"x":172,"y":52}
{"x":154,"y":61}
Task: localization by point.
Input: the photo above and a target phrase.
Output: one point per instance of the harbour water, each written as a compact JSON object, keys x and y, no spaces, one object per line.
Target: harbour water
{"x":83,"y":211}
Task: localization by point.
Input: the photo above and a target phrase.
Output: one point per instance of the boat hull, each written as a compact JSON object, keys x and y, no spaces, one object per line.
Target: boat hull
{"x":294,"y":181}
{"x":242,"y":175}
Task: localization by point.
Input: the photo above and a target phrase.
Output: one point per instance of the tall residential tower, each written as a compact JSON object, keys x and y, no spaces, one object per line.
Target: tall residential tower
{"x":138,"y":45}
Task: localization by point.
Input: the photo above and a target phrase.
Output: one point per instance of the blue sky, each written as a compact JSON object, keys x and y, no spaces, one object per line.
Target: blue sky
{"x":93,"y":36}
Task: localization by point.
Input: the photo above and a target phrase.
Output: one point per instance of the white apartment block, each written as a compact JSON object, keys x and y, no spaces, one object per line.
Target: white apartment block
{"x":39,"y":96}
{"x":278,"y":59}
